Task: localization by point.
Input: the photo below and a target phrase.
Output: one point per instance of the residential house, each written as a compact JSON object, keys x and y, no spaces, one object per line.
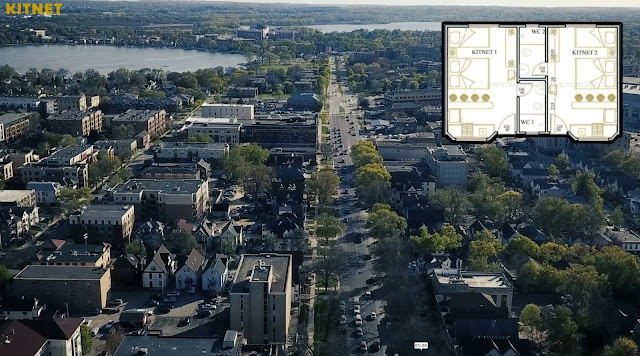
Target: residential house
{"x":135,"y":319}
{"x":17,"y":222}
{"x":506,"y":232}
{"x":151,"y":233}
{"x":41,"y":337}
{"x":627,"y":239}
{"x":128,"y":269}
{"x":215,"y":274}
{"x":532,"y":233}
{"x":46,"y":192}
{"x":230,"y":233}
{"x":498,"y":347}
{"x":529,"y":174}
{"x":18,"y":309}
{"x":287,"y":186}
{"x":284,"y":223}
{"x":188,"y":276}
{"x":161,"y":268}
{"x":125,"y":147}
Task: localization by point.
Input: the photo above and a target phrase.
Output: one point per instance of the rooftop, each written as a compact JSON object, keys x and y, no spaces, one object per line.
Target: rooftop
{"x":70,"y":115}
{"x":60,"y":273}
{"x":278,"y":265}
{"x":10,"y":196}
{"x":136,"y":115}
{"x":102,"y":211}
{"x":68,"y":152}
{"x":7,"y":118}
{"x":187,"y":186}
{"x":174,"y":346}
{"x":213,"y":145}
{"x":261,"y":273}
{"x":471,"y":279}
{"x":228,"y":105}
{"x":28,"y":336}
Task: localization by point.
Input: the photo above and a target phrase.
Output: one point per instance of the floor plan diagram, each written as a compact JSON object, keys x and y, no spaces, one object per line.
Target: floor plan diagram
{"x":521,"y":79}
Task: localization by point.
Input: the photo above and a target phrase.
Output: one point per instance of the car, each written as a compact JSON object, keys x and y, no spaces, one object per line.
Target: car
{"x":359,"y":331}
{"x":151,"y":303}
{"x":343,"y":306}
{"x":118,"y":301}
{"x":375,"y":347}
{"x":96,"y":312}
{"x":363,"y":346}
{"x":367,"y":294}
{"x":358,"y":320}
{"x":110,"y":310}
{"x":356,"y":309}
{"x":94,"y":332}
{"x":343,"y":319}
{"x":109,"y":325}
{"x":173,"y":293}
{"x":353,"y":134}
{"x":373,"y":316}
{"x":87,"y":322}
{"x":170,"y":299}
{"x":208,"y":306}
{"x":204,"y":313}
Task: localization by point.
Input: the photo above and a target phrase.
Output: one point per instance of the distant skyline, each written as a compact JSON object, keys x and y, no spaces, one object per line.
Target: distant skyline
{"x":508,"y":3}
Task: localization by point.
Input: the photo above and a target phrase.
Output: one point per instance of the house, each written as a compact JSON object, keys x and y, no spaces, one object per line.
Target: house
{"x":151,"y":233}
{"x":473,"y":229}
{"x":160,"y":269}
{"x":287,"y":185}
{"x":532,"y":233}
{"x":529,"y":174}
{"x":50,"y":336}
{"x":204,"y":232}
{"x":21,"y":309}
{"x":188,"y":276}
{"x":215,"y":274}
{"x":46,"y":192}
{"x":454,"y":280}
{"x":17,"y":222}
{"x":285,"y":223}
{"x":128,"y":269}
{"x":498,"y":347}
{"x":628,"y":240}
{"x":505,"y":233}
{"x":231,"y":232}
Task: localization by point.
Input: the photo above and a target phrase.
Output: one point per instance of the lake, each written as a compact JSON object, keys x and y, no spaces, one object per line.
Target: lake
{"x":404,"y":26}
{"x":106,"y":59}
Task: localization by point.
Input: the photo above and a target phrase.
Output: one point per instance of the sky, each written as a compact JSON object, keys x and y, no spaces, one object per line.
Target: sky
{"x":519,"y":3}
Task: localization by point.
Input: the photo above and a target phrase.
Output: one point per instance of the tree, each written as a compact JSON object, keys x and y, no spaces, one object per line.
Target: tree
{"x":562,"y":332}
{"x":363,"y":102}
{"x":617,"y":217}
{"x":531,"y":319}
{"x":331,"y":265}
{"x":588,"y":288}
{"x":136,"y":247}
{"x":243,"y":155}
{"x":326,"y":149}
{"x":5,"y":276}
{"x":553,"y":170}
{"x":385,"y":223}
{"x":485,"y":245}
{"x":85,"y":339}
{"x":373,"y":181}
{"x":73,"y":199}
{"x":510,"y":204}
{"x":584,"y":185}
{"x":621,"y":268}
{"x":113,"y":340}
{"x":562,"y":161}
{"x":123,"y":131}
{"x":519,"y":249}
{"x":200,"y":138}
{"x":623,"y":346}
{"x":447,"y":239}
{"x":328,"y":227}
{"x":453,"y":201}
{"x":551,"y":252}
{"x":44,"y":148}
{"x":255,"y":179}
{"x":496,"y":163}
{"x":300,"y":240}
{"x":181,"y":243}
{"x":324,"y":185}
{"x":550,"y":213}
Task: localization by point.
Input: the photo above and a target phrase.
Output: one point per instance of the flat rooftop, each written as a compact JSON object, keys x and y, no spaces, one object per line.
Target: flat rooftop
{"x":8,"y":118}
{"x":10,"y":196}
{"x":187,"y":186}
{"x":212,"y":121}
{"x":278,"y":266}
{"x":60,"y":273}
{"x":261,"y":273}
{"x":175,"y":346}
{"x":471,"y":279}
{"x":70,"y":253}
{"x":228,"y":105}
{"x":102,"y":211}
{"x":70,"y":115}
{"x":68,"y":152}
{"x":136,"y":115}
{"x":211,"y":146}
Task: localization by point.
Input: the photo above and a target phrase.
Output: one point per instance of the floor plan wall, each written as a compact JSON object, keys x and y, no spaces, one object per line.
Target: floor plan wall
{"x":506,"y":79}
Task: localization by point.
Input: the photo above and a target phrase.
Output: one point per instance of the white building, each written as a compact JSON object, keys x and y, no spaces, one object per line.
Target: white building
{"x":240,"y":112}
{"x":221,"y":130}
{"x":46,"y":192}
{"x":188,"y":276}
{"x":188,"y":151}
{"x":215,"y":274}
{"x":160,"y":269}
{"x":42,"y":337}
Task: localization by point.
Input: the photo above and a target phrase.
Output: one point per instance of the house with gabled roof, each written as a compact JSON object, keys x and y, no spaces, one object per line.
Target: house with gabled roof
{"x":188,"y":276}
{"x":506,"y":232}
{"x":232,"y":232}
{"x":215,"y":274}
{"x":532,"y":233}
{"x":161,"y":268}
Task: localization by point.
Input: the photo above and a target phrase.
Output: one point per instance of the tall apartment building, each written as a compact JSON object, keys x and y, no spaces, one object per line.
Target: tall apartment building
{"x":15,"y":159}
{"x":240,"y":112}
{"x":18,"y":198}
{"x":449,"y":165}
{"x":13,"y":126}
{"x":76,"y":102}
{"x":152,"y":121}
{"x":426,"y":51}
{"x":112,"y":223}
{"x":164,"y":200}
{"x":299,"y":131}
{"x":76,"y":123}
{"x":220,"y":130}
{"x":260,"y":298}
{"x":68,"y":166}
{"x":170,"y":151}
{"x":82,"y":288}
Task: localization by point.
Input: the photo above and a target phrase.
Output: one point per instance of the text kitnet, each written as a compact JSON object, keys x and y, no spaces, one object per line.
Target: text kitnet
{"x":26,"y":8}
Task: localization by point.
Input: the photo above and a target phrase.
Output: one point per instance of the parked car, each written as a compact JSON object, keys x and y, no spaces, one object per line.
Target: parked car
{"x":343,"y":306}
{"x":359,"y":331}
{"x":356,"y":309}
{"x":87,"y":322}
{"x":343,"y":319}
{"x":109,"y":325}
{"x":170,"y":299}
{"x":367,"y":294}
{"x":373,"y":316}
{"x":151,"y":303}
{"x":94,"y":332}
{"x":358,"y":320}
{"x":363,"y":346}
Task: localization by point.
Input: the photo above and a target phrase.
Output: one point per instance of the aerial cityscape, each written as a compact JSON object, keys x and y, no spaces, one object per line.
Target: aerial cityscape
{"x":183,"y":178}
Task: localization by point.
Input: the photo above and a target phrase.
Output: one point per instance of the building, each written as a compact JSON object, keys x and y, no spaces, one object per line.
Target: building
{"x":188,"y":276}
{"x":297,"y":131}
{"x":6,"y":169}
{"x":154,"y":345}
{"x":425,"y":51}
{"x":42,"y":337}
{"x":221,"y":130}
{"x":75,"y":123}
{"x":240,"y":112}
{"x":282,"y":35}
{"x":242,"y":92}
{"x":452,"y":280}
{"x":425,"y":66}
{"x":76,"y":102}
{"x":418,"y":97}
{"x":18,"y":158}
{"x":254,"y":33}
{"x":449,"y":165}
{"x":124,"y":102}
{"x":113,"y":223}
{"x":164,"y":200}
{"x":287,"y":186}
{"x":64,"y":253}
{"x":260,"y":298}
{"x":630,"y":68}
{"x":628,"y":240}
{"x":561,"y":143}
{"x":294,"y":155}
{"x":82,"y":288}
{"x":68,"y":166}
{"x":304,"y":102}
{"x":18,"y":198}
{"x":127,"y":269}
{"x":171,"y":171}
{"x":152,"y":121}
{"x":397,"y":150}
{"x":14,"y":126}
{"x":21,"y":309}
{"x":160,"y":269}
{"x":125,"y":147}
{"x":46,"y":192}
{"x":215,"y":274}
{"x":179,"y":151}
{"x":20,"y":102}
{"x":631,"y":103}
